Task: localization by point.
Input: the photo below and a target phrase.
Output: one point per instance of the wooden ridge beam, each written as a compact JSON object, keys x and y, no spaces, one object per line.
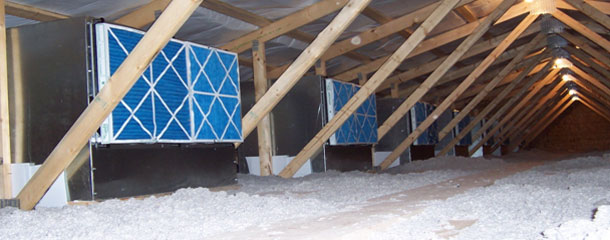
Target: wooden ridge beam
{"x":433,"y":42}
{"x":285,"y":25}
{"x":492,"y":105}
{"x":297,"y":69}
{"x":463,"y":85}
{"x":488,"y":87}
{"x":548,"y":79}
{"x":265,"y":148}
{"x":582,"y":29}
{"x":104,"y":102}
{"x":369,"y":87}
{"x":438,"y":74}
{"x":33,"y":13}
{"x":5,"y":127}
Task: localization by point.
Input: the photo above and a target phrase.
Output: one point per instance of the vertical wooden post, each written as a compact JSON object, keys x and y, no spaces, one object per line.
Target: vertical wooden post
{"x":4,"y":109}
{"x":106,"y":100}
{"x":462,"y":87}
{"x":321,"y":68}
{"x":362,"y":78}
{"x":394,"y":91}
{"x":493,"y":104}
{"x":369,"y":88}
{"x":261,"y":83}
{"x":297,"y":69}
{"x":506,"y":106}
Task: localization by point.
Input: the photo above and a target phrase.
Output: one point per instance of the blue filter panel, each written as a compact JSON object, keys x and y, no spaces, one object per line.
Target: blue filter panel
{"x":420,"y":112}
{"x":360,"y":127}
{"x":189,"y":93}
{"x":466,"y":140}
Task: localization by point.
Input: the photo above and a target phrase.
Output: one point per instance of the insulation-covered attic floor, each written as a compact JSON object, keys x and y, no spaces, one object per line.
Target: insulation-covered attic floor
{"x":530,"y":195}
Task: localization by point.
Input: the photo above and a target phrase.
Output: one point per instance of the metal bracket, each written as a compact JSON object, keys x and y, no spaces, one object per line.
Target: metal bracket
{"x":14,"y":202}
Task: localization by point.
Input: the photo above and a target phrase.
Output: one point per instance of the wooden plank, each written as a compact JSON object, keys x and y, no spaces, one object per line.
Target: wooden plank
{"x":29,"y":12}
{"x":433,"y":42}
{"x":601,"y":5}
{"x":546,"y":121}
{"x":5,"y":128}
{"x":594,"y":107}
{"x":249,"y":17}
{"x":498,"y":98}
{"x":587,"y":48}
{"x":428,"y":67}
{"x":265,"y":149}
{"x":286,"y":24}
{"x":144,"y":15}
{"x":379,"y":17}
{"x":578,"y":70}
{"x":488,"y":87}
{"x":298,"y":68}
{"x":109,"y":96}
{"x":388,"y":67}
{"x":548,"y":79}
{"x":321,"y":68}
{"x":441,"y":70}
{"x":587,"y":60}
{"x":582,"y":29}
{"x":441,"y":108}
{"x":591,"y":11}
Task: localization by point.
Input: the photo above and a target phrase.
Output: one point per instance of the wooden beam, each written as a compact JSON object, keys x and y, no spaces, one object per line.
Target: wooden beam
{"x":286,"y":24}
{"x":260,"y":21}
{"x":379,"y":17}
{"x":488,"y":87}
{"x":144,"y":15}
{"x":369,"y":87}
{"x":582,"y":29}
{"x":433,"y":42}
{"x":577,"y":69}
{"x":428,"y":67}
{"x":548,"y":79}
{"x":265,"y":149}
{"x":591,"y":11}
{"x":601,"y":5}
{"x":298,"y":68}
{"x":587,"y":48}
{"x":498,"y":98}
{"x":462,"y":87}
{"x":321,"y":68}
{"x":595,"y":107}
{"x":109,"y":96}
{"x":587,"y":60}
{"x":29,"y":12}
{"x":546,"y":121}
{"x":440,"y":72}
{"x":5,"y":127}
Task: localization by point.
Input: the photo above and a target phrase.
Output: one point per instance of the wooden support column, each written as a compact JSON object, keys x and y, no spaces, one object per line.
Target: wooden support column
{"x":441,"y":71}
{"x":492,"y":105}
{"x":545,"y":122}
{"x":5,"y":128}
{"x":362,"y":78}
{"x":369,"y":88}
{"x":321,"y":68}
{"x":461,"y":88}
{"x":582,"y":29}
{"x":109,"y":96}
{"x":552,"y":75}
{"x":394,"y":91}
{"x":261,"y":83}
{"x":297,"y":69}
{"x":488,"y":87}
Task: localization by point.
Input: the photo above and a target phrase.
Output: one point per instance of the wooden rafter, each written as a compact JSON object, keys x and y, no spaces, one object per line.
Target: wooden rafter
{"x":29,"y":12}
{"x":464,"y":85}
{"x":582,"y":29}
{"x":587,"y":48}
{"x":144,"y":15}
{"x":591,"y":11}
{"x":109,"y":96}
{"x":489,"y":107}
{"x":369,"y":87}
{"x":548,"y":79}
{"x":297,"y":69}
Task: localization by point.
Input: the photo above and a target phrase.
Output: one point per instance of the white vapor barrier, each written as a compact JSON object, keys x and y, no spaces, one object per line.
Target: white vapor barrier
{"x":279,"y":163}
{"x":56,"y":196}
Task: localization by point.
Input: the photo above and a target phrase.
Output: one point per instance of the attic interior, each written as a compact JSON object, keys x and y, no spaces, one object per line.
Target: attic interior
{"x":285,"y":119}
